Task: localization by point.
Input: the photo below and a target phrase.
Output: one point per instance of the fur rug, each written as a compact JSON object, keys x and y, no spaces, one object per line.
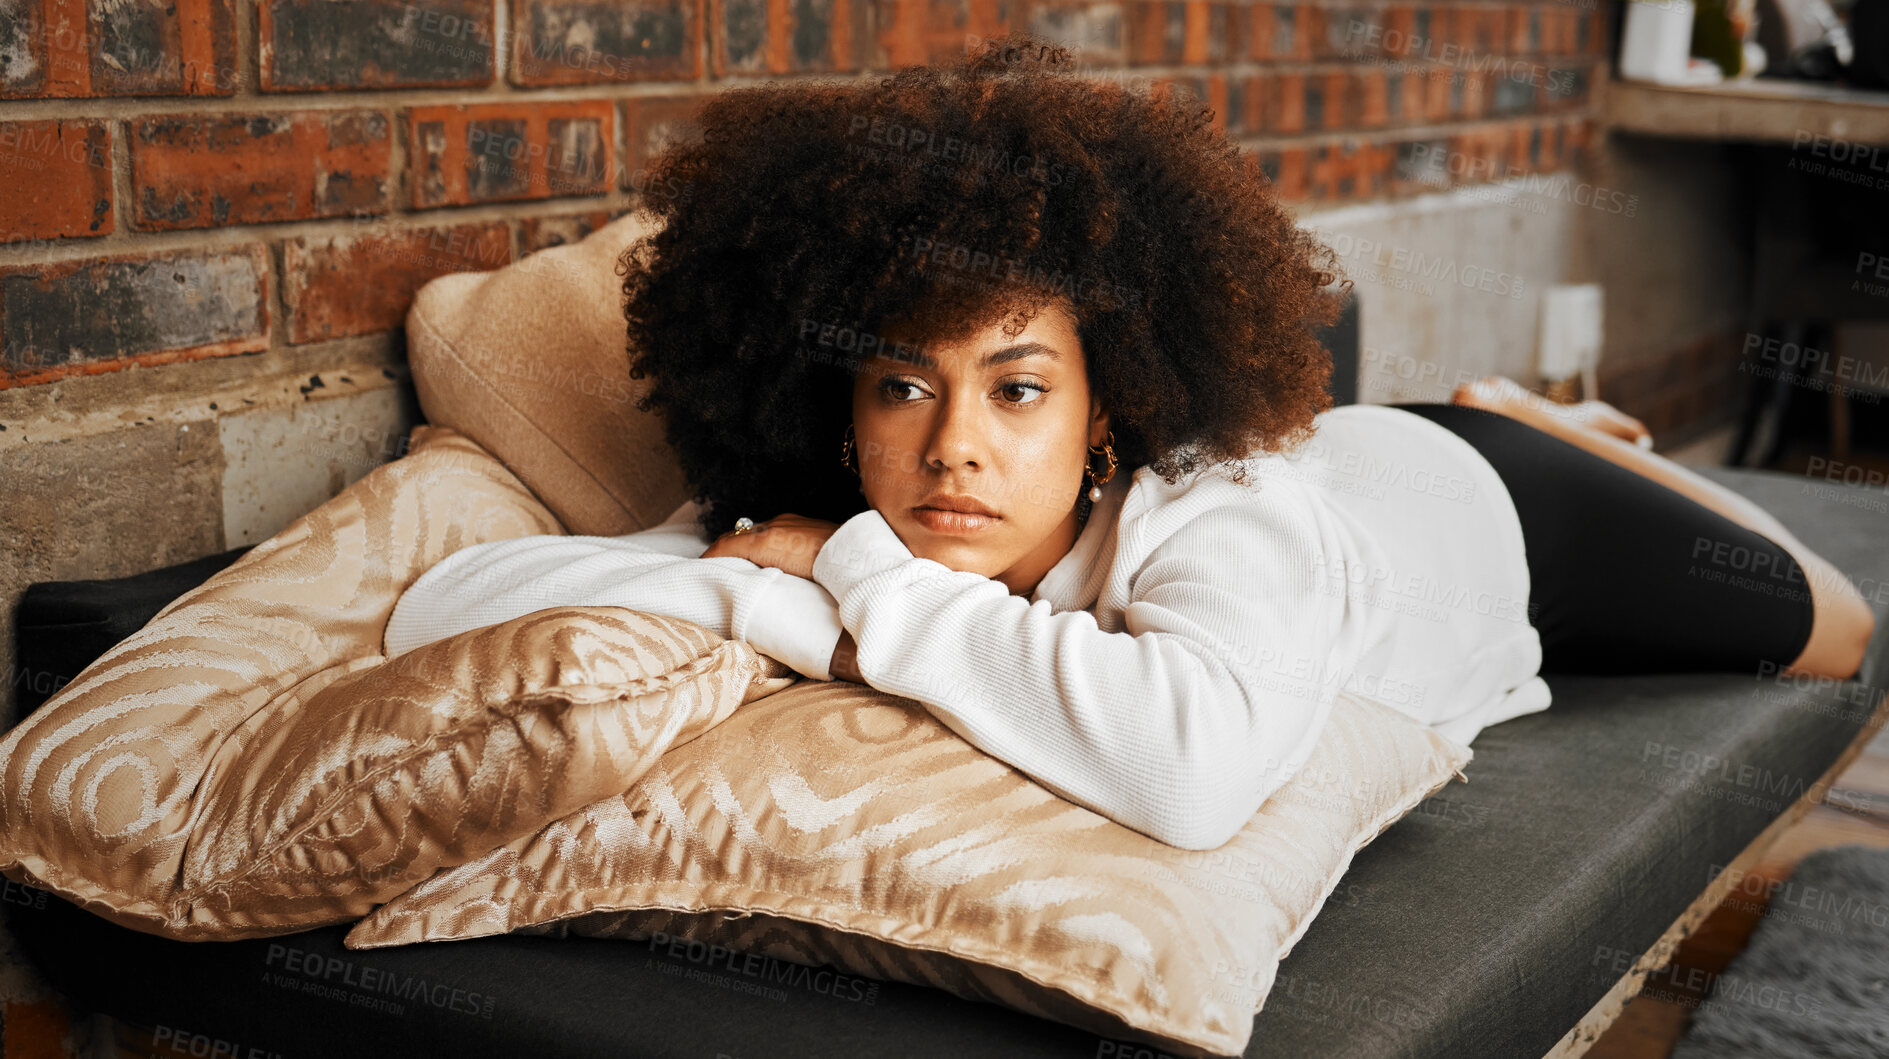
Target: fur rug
{"x":1814,"y":980}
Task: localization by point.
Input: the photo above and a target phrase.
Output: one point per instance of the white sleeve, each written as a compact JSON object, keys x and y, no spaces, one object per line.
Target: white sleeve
{"x":1178,"y":727}
{"x":658,"y":570}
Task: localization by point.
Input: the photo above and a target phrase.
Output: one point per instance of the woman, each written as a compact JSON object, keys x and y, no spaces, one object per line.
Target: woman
{"x":1021,"y":371}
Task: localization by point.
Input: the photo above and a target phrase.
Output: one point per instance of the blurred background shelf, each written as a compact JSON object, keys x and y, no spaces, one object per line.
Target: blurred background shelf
{"x":1759,"y":110}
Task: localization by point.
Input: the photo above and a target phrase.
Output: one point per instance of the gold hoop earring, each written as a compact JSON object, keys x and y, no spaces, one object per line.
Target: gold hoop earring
{"x":1108,"y":451}
{"x":846,"y":451}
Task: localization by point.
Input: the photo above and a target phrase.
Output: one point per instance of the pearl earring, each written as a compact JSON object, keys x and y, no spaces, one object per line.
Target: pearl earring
{"x":1107,"y":450}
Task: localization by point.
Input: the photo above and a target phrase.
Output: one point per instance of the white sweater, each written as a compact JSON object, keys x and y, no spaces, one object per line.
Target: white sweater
{"x":1172,"y":670}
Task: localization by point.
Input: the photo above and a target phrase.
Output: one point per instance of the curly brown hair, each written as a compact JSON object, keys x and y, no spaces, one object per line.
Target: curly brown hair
{"x":934,"y":203}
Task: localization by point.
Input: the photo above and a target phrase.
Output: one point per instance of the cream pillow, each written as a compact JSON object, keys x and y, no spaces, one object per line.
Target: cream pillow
{"x":530,"y":361}
{"x":248,"y":763}
{"x":834,"y":824}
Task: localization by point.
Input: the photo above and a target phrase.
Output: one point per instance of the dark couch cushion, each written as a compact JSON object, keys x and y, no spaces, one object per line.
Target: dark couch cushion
{"x":63,"y":626}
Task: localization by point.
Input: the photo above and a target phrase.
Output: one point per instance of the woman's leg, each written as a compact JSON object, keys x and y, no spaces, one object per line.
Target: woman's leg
{"x":1628,"y":575}
{"x":1842,"y":622}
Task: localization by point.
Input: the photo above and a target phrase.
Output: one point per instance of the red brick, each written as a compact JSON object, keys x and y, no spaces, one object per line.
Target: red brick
{"x":915,"y":32}
{"x":1413,"y":99}
{"x":1293,"y":173}
{"x":1256,"y":28}
{"x":1256,"y":99}
{"x":1580,"y":137}
{"x":58,"y":179}
{"x":1308,"y":25}
{"x":66,"y":49}
{"x":1558,"y":30}
{"x":1484,"y":147}
{"x":1287,"y":103}
{"x":1460,"y":23}
{"x":1400,"y":25}
{"x":1342,"y":105}
{"x":1215,"y":97}
{"x":1488,"y":29}
{"x":1373,"y":98}
{"x":1327,"y":173}
{"x":209,"y":170}
{"x":769,"y":36}
{"x":651,"y":123}
{"x":1476,"y":87}
{"x":1155,"y":31}
{"x":362,"y":281}
{"x":1380,"y":158}
{"x":500,"y":152}
{"x":1309,"y":35}
{"x":1516,"y":156}
{"x":1224,"y":44}
{"x":1187,"y":26}
{"x":108,"y":313}
{"x":1436,"y":93}
{"x":571,"y":42}
{"x":318,"y":45}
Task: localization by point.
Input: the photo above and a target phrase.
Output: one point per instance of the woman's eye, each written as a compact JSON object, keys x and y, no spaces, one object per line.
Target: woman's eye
{"x":1038,"y":390}
{"x":887,"y":387}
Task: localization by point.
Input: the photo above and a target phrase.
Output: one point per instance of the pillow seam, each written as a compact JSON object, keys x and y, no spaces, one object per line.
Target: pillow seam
{"x":489,"y":718}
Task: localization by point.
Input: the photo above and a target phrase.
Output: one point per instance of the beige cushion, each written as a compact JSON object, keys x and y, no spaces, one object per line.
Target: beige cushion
{"x":248,"y":763}
{"x":848,"y":827}
{"x":530,"y":362}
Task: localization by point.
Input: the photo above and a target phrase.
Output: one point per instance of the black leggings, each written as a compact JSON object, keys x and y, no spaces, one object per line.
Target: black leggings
{"x":1627,"y":575}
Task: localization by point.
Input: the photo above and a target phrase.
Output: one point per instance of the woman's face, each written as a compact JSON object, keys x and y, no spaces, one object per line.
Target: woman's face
{"x":1001,"y":422}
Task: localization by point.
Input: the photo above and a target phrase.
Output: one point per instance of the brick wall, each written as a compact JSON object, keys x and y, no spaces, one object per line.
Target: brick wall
{"x":214,"y":179}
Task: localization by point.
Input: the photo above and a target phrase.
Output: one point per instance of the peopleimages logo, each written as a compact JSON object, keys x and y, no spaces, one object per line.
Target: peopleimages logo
{"x":318,"y":973}
{"x":767,"y":969}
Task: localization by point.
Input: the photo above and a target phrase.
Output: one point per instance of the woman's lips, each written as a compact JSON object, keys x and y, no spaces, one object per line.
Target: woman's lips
{"x":939,"y":520}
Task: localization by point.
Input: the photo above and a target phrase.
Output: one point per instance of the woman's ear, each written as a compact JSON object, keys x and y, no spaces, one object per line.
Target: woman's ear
{"x":1098,"y":423}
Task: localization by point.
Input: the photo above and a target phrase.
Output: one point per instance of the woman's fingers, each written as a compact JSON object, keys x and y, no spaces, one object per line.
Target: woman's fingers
{"x":787,"y":542}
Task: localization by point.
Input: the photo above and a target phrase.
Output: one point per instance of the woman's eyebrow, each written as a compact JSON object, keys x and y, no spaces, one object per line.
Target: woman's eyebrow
{"x":1000,"y":356}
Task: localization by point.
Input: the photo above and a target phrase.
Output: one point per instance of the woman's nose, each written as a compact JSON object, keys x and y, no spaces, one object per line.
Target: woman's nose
{"x":961,"y":433}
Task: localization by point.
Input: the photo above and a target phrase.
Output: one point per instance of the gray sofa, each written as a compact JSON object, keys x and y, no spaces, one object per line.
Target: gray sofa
{"x":1505,"y":917}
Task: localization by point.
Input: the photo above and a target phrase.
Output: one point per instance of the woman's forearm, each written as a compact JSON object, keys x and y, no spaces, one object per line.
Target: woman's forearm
{"x":786,"y":617}
{"x":845,"y":663}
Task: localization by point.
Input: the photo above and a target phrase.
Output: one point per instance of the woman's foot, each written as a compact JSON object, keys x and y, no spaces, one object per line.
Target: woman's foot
{"x":1505,"y":396}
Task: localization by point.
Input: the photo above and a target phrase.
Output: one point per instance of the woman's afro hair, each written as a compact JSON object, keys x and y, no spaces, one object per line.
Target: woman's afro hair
{"x":810,"y":219}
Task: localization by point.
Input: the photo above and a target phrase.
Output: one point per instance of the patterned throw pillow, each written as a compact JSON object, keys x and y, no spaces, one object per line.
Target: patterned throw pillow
{"x":249,"y":764}
{"x":834,"y":824}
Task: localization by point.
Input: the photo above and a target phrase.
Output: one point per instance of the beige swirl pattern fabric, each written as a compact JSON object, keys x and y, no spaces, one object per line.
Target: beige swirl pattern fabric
{"x":834,"y":824}
{"x":248,"y":764}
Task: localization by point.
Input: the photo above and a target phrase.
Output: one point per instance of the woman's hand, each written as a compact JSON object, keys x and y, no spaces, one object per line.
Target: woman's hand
{"x":788,"y":542}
